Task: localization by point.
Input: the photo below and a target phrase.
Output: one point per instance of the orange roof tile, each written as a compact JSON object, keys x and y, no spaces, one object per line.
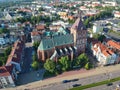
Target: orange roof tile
{"x":5,"y":70}
{"x":35,"y":33}
{"x":114,"y":44}
{"x":40,"y":27}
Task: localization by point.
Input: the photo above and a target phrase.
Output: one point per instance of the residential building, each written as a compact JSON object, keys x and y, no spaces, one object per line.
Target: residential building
{"x":115,"y":47}
{"x":103,"y":54}
{"x":16,"y":55}
{"x":97,"y":27}
{"x":117,"y":14}
{"x":36,"y":36}
{"x":7,"y":76}
{"x":2,"y":40}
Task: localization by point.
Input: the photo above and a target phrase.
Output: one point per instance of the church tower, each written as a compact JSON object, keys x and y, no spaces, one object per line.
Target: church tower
{"x":80,"y":35}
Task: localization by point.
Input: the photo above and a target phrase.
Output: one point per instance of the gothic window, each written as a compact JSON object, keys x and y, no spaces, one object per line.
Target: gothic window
{"x":45,"y":54}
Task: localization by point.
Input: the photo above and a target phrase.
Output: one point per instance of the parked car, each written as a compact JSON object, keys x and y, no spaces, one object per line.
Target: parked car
{"x":118,"y":85}
{"x":76,"y":85}
{"x":66,"y":81}
{"x":73,"y":80}
{"x":109,"y":84}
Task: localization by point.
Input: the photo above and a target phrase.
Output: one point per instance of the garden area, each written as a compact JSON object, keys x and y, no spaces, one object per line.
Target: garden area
{"x":64,"y":64}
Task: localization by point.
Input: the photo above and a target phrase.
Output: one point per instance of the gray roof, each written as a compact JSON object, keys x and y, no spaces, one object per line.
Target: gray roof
{"x":59,"y":40}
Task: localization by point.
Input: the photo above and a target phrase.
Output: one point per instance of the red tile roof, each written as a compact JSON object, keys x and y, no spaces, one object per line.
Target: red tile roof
{"x":25,"y":10}
{"x":40,"y":27}
{"x":16,"y":52}
{"x":6,"y":70}
{"x":103,"y":49}
{"x":35,"y":33}
{"x":114,"y":44}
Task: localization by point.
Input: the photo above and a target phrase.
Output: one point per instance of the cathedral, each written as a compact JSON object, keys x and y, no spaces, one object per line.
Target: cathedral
{"x":62,"y":43}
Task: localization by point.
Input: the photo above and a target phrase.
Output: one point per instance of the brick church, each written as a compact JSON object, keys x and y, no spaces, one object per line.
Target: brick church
{"x":63,"y":43}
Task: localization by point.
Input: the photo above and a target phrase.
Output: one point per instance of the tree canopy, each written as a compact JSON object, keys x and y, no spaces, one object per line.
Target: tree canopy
{"x":35,"y":65}
{"x":50,"y":65}
{"x":65,"y":63}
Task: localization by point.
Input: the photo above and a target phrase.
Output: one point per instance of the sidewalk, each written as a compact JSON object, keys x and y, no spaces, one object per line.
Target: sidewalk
{"x":59,"y":78}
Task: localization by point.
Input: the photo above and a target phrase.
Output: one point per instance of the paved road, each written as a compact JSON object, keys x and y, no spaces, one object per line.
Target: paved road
{"x":28,"y":58}
{"x":105,"y":87}
{"x":95,"y":73}
{"x":82,"y":81}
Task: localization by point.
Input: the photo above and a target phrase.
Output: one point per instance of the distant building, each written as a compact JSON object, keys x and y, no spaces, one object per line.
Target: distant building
{"x":117,"y":14}
{"x":36,"y":36}
{"x":97,"y":27}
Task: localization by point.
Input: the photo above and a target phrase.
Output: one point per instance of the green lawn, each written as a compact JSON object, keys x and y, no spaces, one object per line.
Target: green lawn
{"x":96,"y":84}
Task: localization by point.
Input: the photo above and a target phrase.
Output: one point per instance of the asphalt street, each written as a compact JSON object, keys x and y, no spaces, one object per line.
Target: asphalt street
{"x":28,"y":58}
{"x":82,"y":81}
{"x":105,"y":87}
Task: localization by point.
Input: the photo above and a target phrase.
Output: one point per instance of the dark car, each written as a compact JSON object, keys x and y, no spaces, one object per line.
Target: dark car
{"x":76,"y":85}
{"x":65,"y":81}
{"x":109,"y":84}
{"x":73,"y":80}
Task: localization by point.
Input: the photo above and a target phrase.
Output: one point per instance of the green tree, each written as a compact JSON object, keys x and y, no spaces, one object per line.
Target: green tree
{"x":35,"y":58}
{"x":82,"y":59}
{"x":88,"y":66}
{"x":41,"y":9}
{"x":7,"y":51}
{"x":50,"y":65}
{"x":86,"y":22}
{"x":65,"y":63}
{"x":35,"y":45}
{"x":1,"y":63}
{"x":35,"y":65}
{"x":101,"y":38}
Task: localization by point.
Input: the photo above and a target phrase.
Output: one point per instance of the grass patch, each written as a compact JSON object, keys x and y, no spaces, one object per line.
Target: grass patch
{"x":96,"y":84}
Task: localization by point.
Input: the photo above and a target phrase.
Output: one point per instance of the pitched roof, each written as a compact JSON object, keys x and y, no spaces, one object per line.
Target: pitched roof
{"x":40,"y":27}
{"x":16,"y":52}
{"x":49,"y":43}
{"x":35,"y":33}
{"x":114,"y":44}
{"x":104,"y":50}
{"x":78,"y":25}
{"x":5,"y":70}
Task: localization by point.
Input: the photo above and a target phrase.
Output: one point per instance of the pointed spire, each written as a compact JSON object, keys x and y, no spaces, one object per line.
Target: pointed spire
{"x":78,"y":25}
{"x":80,"y":15}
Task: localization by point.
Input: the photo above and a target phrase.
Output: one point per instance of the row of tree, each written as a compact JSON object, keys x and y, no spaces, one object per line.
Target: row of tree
{"x":64,"y":64}
{"x":37,"y":19}
{"x":102,"y":14}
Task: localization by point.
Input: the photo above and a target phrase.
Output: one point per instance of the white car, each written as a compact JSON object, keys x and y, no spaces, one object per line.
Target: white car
{"x":118,"y":85}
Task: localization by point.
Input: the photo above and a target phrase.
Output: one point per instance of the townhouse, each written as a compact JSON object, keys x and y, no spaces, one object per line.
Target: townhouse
{"x":103,"y":54}
{"x":9,"y":72}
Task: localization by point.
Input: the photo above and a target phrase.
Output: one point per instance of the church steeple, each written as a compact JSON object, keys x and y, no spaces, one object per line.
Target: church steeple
{"x":79,"y":33}
{"x":78,"y":25}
